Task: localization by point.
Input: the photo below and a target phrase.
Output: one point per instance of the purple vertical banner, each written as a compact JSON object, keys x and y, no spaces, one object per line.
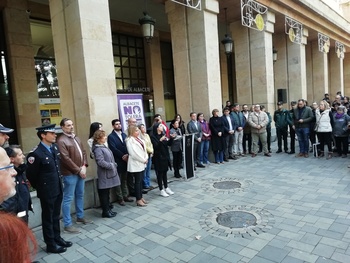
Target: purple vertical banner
{"x":130,"y":106}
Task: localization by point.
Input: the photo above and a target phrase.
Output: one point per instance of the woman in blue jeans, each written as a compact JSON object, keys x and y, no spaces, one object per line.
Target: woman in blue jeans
{"x":206,"y":136}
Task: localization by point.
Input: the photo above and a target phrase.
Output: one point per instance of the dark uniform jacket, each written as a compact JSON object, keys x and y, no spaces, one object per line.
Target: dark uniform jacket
{"x":282,"y":119}
{"x":43,"y":171}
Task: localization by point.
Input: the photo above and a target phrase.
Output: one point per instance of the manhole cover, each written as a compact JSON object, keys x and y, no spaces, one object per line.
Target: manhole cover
{"x":227,"y":185}
{"x":236,"y":219}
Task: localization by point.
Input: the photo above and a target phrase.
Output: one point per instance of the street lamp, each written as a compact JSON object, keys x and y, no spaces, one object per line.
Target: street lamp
{"x":147,"y":24}
{"x":227,"y":41}
{"x":274,"y":54}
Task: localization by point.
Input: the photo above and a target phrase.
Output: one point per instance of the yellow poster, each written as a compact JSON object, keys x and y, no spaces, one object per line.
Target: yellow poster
{"x":50,"y":114}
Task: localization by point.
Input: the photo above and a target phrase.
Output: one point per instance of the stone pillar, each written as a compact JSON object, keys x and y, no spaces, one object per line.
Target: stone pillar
{"x":195,"y":42}
{"x":336,"y":69}
{"x":346,"y":64}
{"x":280,"y":66}
{"x":319,"y":72}
{"x":262,"y":75}
{"x":297,"y":68}
{"x":83,"y":51}
{"x":154,"y":67}
{"x":242,"y":55}
{"x":22,"y":72}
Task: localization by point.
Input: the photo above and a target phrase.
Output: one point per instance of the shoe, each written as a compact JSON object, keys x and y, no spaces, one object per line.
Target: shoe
{"x":291,"y":152}
{"x":222,"y":163}
{"x":253,"y":155}
{"x":217,"y":162}
{"x":226,"y":160}
{"x":231,"y":157}
{"x":144,"y":201}
{"x":306,"y":155}
{"x":61,"y":242}
{"x":108,"y":214}
{"x":144,"y":192}
{"x":56,"y":249}
{"x":195,"y":169}
{"x":121,"y":203}
{"x":200,"y":165}
{"x":178,"y":176}
{"x":168,"y":191}
{"x":260,"y":151}
{"x":279,"y":151}
{"x":344,"y":156}
{"x":299,"y":155}
{"x":320,"y":155}
{"x":71,"y":229}
{"x":140,"y":203}
{"x":208,"y":163}
{"x":286,"y":151}
{"x":267,"y":154}
{"x":330,"y":155}
{"x":163,"y":193}
{"x":242,"y":154}
{"x":127,"y":199}
{"x":112,"y":212}
{"x":84,"y":221}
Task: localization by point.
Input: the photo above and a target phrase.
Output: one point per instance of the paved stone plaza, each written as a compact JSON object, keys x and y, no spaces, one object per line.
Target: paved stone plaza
{"x":278,"y":209}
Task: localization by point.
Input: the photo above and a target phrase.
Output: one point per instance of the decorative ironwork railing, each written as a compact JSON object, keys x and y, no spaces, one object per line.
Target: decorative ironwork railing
{"x":195,"y":4}
{"x":293,"y":29}
{"x":252,"y":14}
{"x":323,"y":43}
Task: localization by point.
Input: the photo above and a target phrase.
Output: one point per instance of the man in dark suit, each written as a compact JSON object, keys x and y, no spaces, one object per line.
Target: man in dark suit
{"x":116,"y":142}
{"x":193,"y":126}
{"x":43,"y":172}
{"x":229,"y":130}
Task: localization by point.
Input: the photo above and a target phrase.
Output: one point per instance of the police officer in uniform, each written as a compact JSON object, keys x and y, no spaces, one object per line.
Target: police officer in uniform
{"x":43,"y":172}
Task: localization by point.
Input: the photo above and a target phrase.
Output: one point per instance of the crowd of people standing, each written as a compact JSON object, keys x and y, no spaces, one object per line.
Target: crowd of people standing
{"x":56,"y":168}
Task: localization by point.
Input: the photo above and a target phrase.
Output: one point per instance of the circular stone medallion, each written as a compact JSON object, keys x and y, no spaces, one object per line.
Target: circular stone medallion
{"x":226,"y":185}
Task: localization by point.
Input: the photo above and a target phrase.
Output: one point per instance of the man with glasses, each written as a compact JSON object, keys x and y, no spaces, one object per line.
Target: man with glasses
{"x":4,"y":135}
{"x":7,"y":174}
{"x":43,"y":172}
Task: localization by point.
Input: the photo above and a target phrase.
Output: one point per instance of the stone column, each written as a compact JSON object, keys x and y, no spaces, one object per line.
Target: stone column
{"x":297,"y":68}
{"x":346,"y":64}
{"x":336,"y":69}
{"x":83,"y":52}
{"x":194,"y":36}
{"x":319,"y":72}
{"x":242,"y":55}
{"x":281,"y":65}
{"x":22,"y":72}
{"x":262,"y":75}
{"x":154,"y":67}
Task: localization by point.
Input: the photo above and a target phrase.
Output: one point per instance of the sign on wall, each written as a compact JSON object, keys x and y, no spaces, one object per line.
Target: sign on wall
{"x":130,"y":106}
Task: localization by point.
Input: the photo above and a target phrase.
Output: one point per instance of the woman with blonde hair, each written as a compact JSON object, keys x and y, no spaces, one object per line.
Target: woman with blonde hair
{"x":323,"y":128}
{"x":137,"y":161}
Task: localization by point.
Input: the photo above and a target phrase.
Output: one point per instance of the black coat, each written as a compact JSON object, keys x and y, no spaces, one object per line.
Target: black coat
{"x":118,"y":149}
{"x":43,"y":171}
{"x":161,"y":157}
{"x":216,"y":126}
{"x":21,"y":202}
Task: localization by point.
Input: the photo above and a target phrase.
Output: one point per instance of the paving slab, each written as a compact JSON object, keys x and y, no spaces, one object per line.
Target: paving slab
{"x":301,"y":215}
